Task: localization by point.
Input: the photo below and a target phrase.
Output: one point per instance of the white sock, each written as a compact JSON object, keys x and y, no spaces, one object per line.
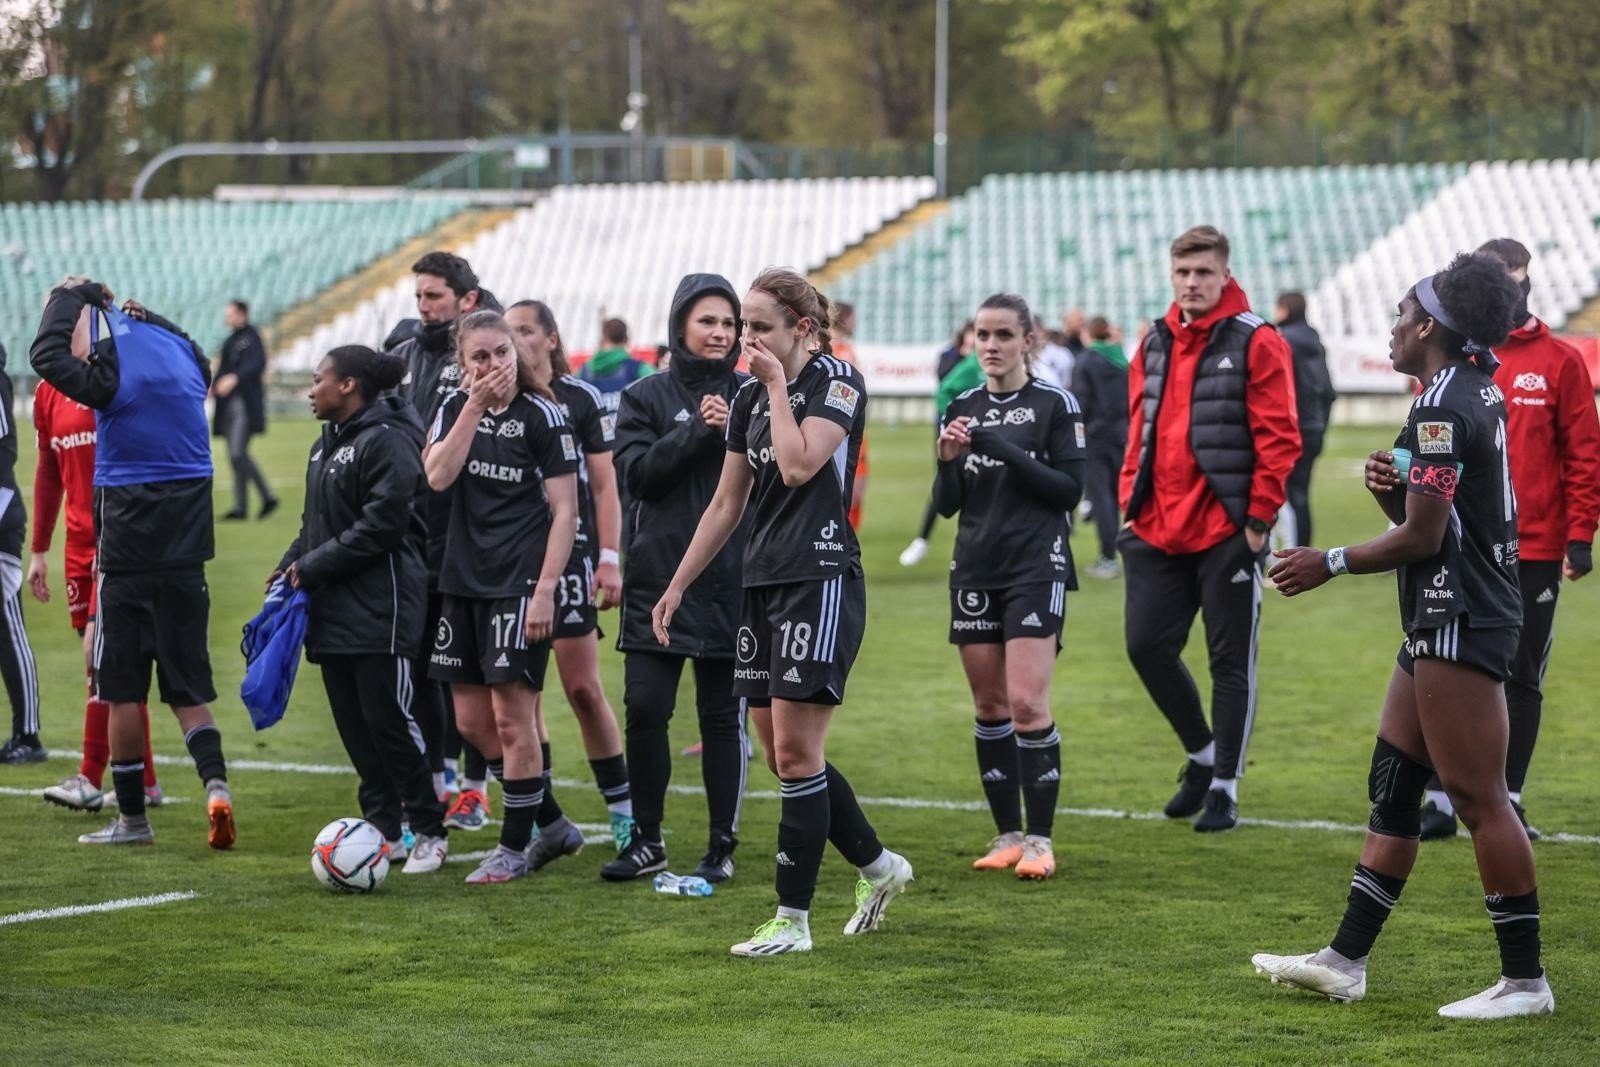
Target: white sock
{"x":451,"y":765}
{"x":621,"y":807}
{"x":438,"y":784}
{"x":799,"y":916}
{"x":878,"y":867}
{"x":473,"y":783}
{"x":1229,"y":786}
{"x":1441,"y":800}
{"x":1206,"y":757}
{"x":1516,"y":798}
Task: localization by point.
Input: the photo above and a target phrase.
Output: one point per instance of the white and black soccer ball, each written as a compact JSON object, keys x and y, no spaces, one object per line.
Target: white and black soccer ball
{"x":350,"y":856}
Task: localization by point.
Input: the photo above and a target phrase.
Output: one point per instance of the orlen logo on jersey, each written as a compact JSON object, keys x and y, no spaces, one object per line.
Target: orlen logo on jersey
{"x":759,"y":458}
{"x":495,"y":471}
{"x":828,"y":533}
{"x":72,"y":440}
{"x":1530,"y":382}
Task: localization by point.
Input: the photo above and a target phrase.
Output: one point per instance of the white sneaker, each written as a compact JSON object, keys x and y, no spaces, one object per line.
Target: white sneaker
{"x":120,"y":833}
{"x":873,"y":896}
{"x":774,"y":938}
{"x":1344,"y":983}
{"x":398,"y":850}
{"x":914,"y":553}
{"x":76,"y":792}
{"x":1506,"y":999}
{"x":427,"y":855}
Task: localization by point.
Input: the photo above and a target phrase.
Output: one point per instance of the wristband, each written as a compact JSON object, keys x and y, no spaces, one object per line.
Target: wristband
{"x":1336,"y":563}
{"x":608,"y":555}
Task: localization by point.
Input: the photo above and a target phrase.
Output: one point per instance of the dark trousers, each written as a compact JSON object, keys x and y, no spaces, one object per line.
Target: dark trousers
{"x":650,"y":694}
{"x":1299,"y":489}
{"x":245,"y":471}
{"x":1163,"y":594}
{"x":17,"y":666}
{"x":1100,"y":476}
{"x":371,"y":701}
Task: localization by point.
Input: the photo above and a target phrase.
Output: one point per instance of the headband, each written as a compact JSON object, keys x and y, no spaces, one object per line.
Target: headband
{"x":1478,"y":353}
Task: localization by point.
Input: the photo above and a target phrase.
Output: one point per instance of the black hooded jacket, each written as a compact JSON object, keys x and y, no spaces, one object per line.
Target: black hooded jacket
{"x":361,"y":535}
{"x":432,"y":374}
{"x":670,"y":461}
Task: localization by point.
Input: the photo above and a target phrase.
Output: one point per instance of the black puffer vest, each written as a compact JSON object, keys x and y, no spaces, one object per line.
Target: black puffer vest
{"x":1219,"y":425}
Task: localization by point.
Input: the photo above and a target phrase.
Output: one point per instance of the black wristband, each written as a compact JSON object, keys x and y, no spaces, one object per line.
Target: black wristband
{"x":1255,"y":525}
{"x":1580,"y":556}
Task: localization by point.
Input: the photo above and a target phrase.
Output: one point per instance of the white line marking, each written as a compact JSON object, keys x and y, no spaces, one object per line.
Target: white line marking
{"x":915,"y":803}
{"x":90,"y":909}
{"x":8,"y":791}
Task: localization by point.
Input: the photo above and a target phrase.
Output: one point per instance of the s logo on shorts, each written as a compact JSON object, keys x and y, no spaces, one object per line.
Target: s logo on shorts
{"x":747,"y":644}
{"x":973,"y":602}
{"x":445,"y":637}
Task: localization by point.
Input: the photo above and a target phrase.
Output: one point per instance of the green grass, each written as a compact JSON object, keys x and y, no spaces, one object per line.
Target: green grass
{"x":1137,"y":951}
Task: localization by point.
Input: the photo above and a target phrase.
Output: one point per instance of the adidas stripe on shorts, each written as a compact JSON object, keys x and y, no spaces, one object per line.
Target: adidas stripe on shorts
{"x":576,"y":615}
{"x":1490,"y":649}
{"x":992,"y":616}
{"x":482,"y":642}
{"x":798,"y":641}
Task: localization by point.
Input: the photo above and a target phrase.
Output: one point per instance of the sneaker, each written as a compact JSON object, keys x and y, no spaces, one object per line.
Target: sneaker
{"x":914,"y":553}
{"x":642,"y":857}
{"x":1038,"y":859}
{"x":774,"y":938}
{"x":469,"y":812}
{"x":1343,"y":982}
{"x":22,"y":750}
{"x":548,"y":845}
{"x":1506,"y":999}
{"x":1221,"y":813}
{"x":1436,"y":825}
{"x":219,"y":809}
{"x":267,"y":508}
{"x":427,"y":855}
{"x":1004,"y":852}
{"x":717,"y":864}
{"x":1193,"y":783}
{"x":693,"y":751}
{"x":118,"y":832}
{"x":873,"y":896}
{"x":502,"y":865}
{"x":1104,"y":568}
{"x":153,"y":796}
{"x":234,"y":515}
{"x":1532,"y":832}
{"x":398,"y":849}
{"x":76,"y":792}
{"x":621,"y":831}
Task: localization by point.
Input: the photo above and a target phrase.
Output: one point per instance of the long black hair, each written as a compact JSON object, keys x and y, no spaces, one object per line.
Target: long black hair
{"x":1474,"y":301}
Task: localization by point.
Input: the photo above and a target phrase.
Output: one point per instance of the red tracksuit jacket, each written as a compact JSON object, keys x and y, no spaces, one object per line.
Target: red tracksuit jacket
{"x":66,"y":435}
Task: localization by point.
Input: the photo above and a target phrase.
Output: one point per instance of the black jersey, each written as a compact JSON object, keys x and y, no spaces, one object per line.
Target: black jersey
{"x":499,"y":517}
{"x":1007,"y":536}
{"x":801,"y":534}
{"x":1456,"y":434}
{"x":595,"y":428}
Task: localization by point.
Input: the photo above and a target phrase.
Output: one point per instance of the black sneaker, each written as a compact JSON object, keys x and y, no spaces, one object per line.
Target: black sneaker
{"x":641,"y":857}
{"x":22,"y":750}
{"x":267,"y":508}
{"x":1193,"y":782}
{"x":1533,"y":834}
{"x":234,"y":515}
{"x":717,"y":866}
{"x":1221,"y":813}
{"x":1436,"y":825}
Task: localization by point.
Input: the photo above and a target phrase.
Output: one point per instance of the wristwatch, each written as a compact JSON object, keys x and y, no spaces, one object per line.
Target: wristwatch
{"x":1255,"y":525}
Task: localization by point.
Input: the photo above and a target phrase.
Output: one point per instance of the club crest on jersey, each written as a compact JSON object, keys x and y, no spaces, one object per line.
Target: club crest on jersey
{"x":1019,"y":416}
{"x":568,"y":449}
{"x":1530,"y":382}
{"x":798,"y":401}
{"x":344,"y":455}
{"x":608,"y":426}
{"x":1082,"y":439}
{"x":842,"y":395}
{"x":1436,"y":438}
{"x":512,"y":428}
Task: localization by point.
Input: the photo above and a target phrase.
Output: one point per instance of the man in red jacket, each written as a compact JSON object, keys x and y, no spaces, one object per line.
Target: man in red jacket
{"x":1212,"y":437}
{"x":1553,"y":443}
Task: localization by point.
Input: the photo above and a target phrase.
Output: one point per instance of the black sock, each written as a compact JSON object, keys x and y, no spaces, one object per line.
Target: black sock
{"x":474,"y":764}
{"x":205,"y":745}
{"x":127,"y":779}
{"x":1372,"y":897}
{"x":494,"y":768}
{"x":848,"y":827}
{"x":1516,"y":927}
{"x":521,"y":797}
{"x":997,"y":767}
{"x":611,"y":775}
{"x":549,"y":811}
{"x":1039,"y":763}
{"x":802,"y":835}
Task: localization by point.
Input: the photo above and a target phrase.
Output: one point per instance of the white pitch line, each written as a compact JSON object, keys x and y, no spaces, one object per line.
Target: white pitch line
{"x":8,"y":791}
{"x":90,"y":909}
{"x":914,"y":803}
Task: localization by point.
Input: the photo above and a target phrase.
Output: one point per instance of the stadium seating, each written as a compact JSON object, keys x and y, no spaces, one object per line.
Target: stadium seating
{"x":186,"y":258}
{"x":618,"y":250}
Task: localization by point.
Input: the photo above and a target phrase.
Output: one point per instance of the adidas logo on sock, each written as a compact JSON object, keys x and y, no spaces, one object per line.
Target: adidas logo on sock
{"x":1052,"y":775}
{"x":994,"y":774}
{"x":502,"y":661}
{"x":573,"y":616}
{"x":792,"y":675}
{"x":1242,"y":576}
{"x":785,"y":861}
{"x":1032,"y":619}
{"x":1226,"y":363}
{"x":1546,"y":596}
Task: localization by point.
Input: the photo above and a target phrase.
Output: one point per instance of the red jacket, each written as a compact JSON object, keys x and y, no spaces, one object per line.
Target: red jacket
{"x":1183,"y":514}
{"x":1553,"y":439}
{"x":66,"y":436}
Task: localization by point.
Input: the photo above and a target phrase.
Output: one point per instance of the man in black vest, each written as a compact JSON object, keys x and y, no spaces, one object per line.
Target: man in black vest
{"x":1314,"y":396}
{"x":1212,"y":437}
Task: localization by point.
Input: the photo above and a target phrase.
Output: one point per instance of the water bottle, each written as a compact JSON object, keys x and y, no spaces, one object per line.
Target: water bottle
{"x":682,"y":885}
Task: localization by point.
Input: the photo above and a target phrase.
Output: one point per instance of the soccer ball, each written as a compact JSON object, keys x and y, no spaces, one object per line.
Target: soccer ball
{"x":350,"y":856}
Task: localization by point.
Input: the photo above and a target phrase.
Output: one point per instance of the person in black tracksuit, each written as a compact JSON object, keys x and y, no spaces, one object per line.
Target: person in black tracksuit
{"x":670,"y":432}
{"x":1313,"y":398}
{"x":241,"y":410}
{"x":17,"y":665}
{"x":1100,"y":383}
{"x":359,"y":558}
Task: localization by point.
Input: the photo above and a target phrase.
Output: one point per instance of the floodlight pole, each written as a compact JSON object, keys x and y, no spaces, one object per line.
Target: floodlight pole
{"x":941,"y":97}
{"x":636,"y":98}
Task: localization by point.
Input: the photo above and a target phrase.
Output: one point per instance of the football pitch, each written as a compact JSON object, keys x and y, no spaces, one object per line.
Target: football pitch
{"x":1137,"y":952}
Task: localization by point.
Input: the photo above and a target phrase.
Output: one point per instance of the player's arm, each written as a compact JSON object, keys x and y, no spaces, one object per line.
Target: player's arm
{"x":1130,"y":455}
{"x":1578,"y":446}
{"x":721,"y":518}
{"x":1386,"y":486}
{"x":93,"y":381}
{"x":608,"y":525}
{"x":949,"y":487}
{"x":800,"y":447}
{"x":561,"y":491}
{"x":1274,"y":422}
{"x":450,"y":440}
{"x":47,"y":494}
{"x":1057,"y":482}
{"x":390,"y":471}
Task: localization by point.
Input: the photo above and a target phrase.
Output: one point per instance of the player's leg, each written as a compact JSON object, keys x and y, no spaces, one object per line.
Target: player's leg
{"x":578,"y":661}
{"x":521,"y":781}
{"x":1101,"y":472}
{"x":183,"y":676}
{"x":1030,"y":662}
{"x":555,"y":835}
{"x":723,"y":767}
{"x":18,"y":669}
{"x":650,"y":693}
{"x":124,"y":646}
{"x":1541,"y":586}
{"x":996,"y":743}
{"x":385,"y":684}
{"x":343,"y":679}
{"x":82,"y":791}
{"x":1230,"y":597}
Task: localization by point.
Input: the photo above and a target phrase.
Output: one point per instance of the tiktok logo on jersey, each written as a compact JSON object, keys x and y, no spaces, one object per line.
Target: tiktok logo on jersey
{"x":1439,"y":592}
{"x":1057,"y":557}
{"x":828,"y":533}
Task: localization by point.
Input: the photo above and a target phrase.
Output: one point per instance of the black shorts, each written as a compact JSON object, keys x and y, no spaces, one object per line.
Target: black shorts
{"x":576,"y":615}
{"x":993,"y":616}
{"x":160,"y":618}
{"x":798,"y":641}
{"x":1489,"y":650}
{"x":482,"y":642}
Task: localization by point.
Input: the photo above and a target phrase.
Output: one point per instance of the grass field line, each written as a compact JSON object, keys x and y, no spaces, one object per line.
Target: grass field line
{"x":90,"y":909}
{"x":8,"y":791}
{"x":915,"y":803}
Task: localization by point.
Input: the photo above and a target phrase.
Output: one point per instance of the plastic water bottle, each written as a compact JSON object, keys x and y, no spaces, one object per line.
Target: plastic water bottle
{"x":682,"y":885}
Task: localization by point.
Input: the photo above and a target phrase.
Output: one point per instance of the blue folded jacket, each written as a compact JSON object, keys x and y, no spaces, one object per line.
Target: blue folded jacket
{"x":271,"y":647}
